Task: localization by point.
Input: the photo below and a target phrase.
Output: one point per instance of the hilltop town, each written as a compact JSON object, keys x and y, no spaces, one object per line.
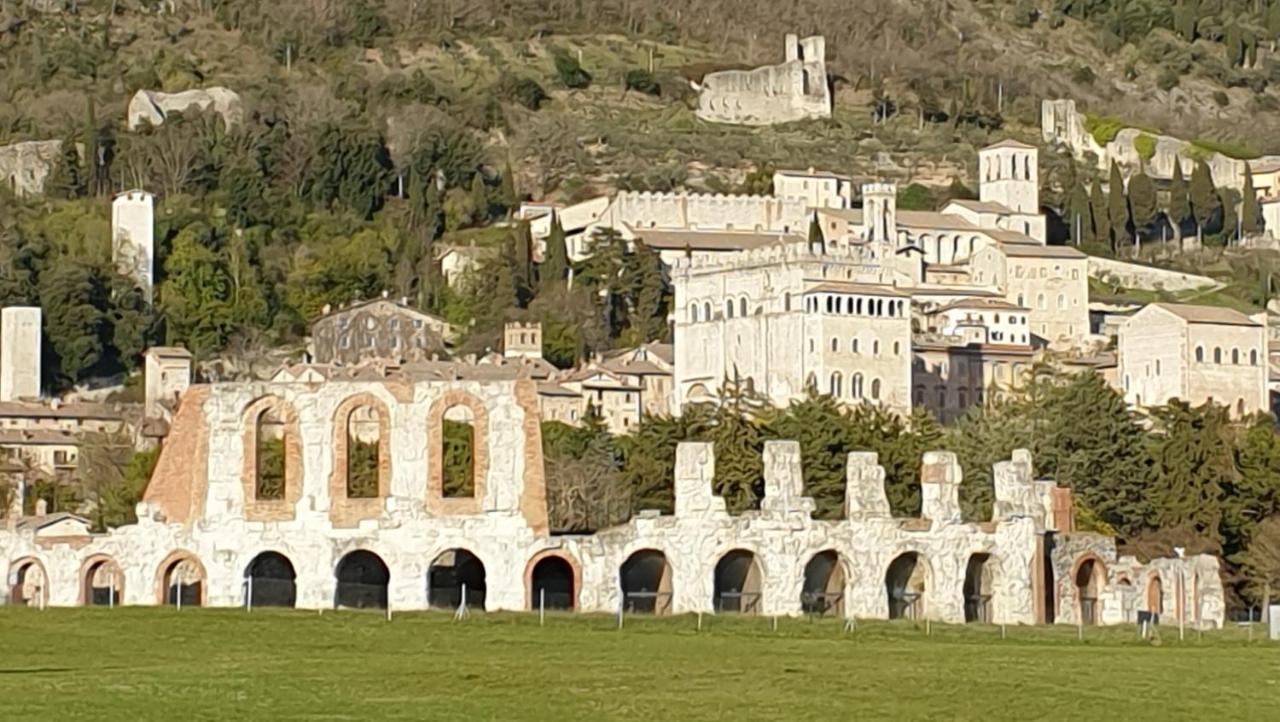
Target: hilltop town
{"x":251,"y":337}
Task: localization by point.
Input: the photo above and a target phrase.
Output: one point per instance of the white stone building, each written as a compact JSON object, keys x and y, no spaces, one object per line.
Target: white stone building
{"x":1194,"y":353}
{"x":133,"y":238}
{"x":152,"y":107}
{"x":795,"y":89}
{"x":20,"y":353}
{"x":211,"y":531}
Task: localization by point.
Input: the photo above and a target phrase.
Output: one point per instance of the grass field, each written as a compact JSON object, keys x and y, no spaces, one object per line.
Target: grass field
{"x":132,"y":664}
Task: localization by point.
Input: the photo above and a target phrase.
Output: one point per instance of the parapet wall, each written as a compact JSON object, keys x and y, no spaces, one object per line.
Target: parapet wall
{"x":706,"y":211}
{"x":1133,"y":275}
{"x":792,"y":90}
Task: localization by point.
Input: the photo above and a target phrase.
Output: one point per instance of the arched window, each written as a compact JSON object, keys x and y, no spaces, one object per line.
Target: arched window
{"x":742,"y":307}
{"x":855,"y":386}
{"x":897,"y":348}
{"x":693,"y":313}
{"x":1235,"y":357}
{"x":853,"y":344}
{"x":459,"y":452}
{"x":875,"y":348}
{"x":837,"y":384}
{"x":858,"y":307}
{"x":1217,"y":355}
{"x":364,"y":429}
{"x":835,"y":344}
{"x":962,"y":398}
{"x":706,"y":311}
{"x":1040,"y":304}
{"x":1062,"y":301}
{"x":1253,"y":358}
{"x":875,"y":389}
{"x":270,"y":456}
{"x":786,"y":301}
{"x":1200,"y":354}
{"x":728,"y":308}
{"x":830,"y":304}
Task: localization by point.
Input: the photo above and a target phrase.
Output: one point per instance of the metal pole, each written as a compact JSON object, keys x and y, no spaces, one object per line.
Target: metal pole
{"x":248,"y":595}
{"x":1182,"y":603}
{"x":542,"y":606}
{"x":1080,"y":629}
{"x":620,"y":606}
{"x":177,"y":595}
{"x":699,"y":621}
{"x":388,"y":610}
{"x":1003,"y":632}
{"x":775,"y":623}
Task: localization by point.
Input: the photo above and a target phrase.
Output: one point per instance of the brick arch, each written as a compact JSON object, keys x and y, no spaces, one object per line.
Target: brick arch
{"x":86,"y":583}
{"x":925,"y":563}
{"x":1100,"y":575}
{"x":175,"y":556}
{"x":345,"y":512}
{"x":271,"y":509}
{"x":44,"y":573}
{"x":436,"y":502}
{"x":529,"y":601}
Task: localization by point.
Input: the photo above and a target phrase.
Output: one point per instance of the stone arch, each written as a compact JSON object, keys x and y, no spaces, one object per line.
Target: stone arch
{"x":1155,"y":594}
{"x":738,"y":585}
{"x":907,"y":581}
{"x":699,"y":392}
{"x":555,"y":577}
{"x":456,"y":575}
{"x":181,"y":577}
{"x":1088,"y":578}
{"x":437,"y":501}
{"x":837,"y":384}
{"x":362,"y":579}
{"x":979,"y":588}
{"x":271,"y":477}
{"x":101,"y":581}
{"x":353,"y":415}
{"x":271,"y":581}
{"x":826,"y":579}
{"x":30,"y":583}
{"x":645,"y":581}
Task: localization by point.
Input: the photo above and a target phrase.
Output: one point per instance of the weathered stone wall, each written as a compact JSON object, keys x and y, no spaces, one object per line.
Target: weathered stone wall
{"x":1150,"y":278}
{"x":195,"y":513}
{"x":25,"y":166}
{"x":20,"y":334}
{"x":793,"y":90}
{"x":152,"y":107}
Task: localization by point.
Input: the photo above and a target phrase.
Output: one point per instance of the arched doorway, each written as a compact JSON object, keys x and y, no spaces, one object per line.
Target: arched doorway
{"x":454,"y":573}
{"x":362,"y":581}
{"x":30,"y":587}
{"x":102,"y":583}
{"x":270,"y":581}
{"x":738,"y":583}
{"x":978,"y":582}
{"x":646,"y":583}
{"x":1155,"y":595}
{"x":183,"y":582}
{"x":824,"y":585}
{"x":552,"y":584}
{"x":906,"y":583}
{"x":1088,"y":582}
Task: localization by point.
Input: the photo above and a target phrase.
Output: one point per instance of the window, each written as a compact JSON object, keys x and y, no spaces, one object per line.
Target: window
{"x":742,"y":306}
{"x":1062,"y":301}
{"x":1157,"y":367}
{"x":728,"y":308}
{"x":855,"y":386}
{"x":1217,"y":355}
{"x":458,"y":457}
{"x":835,"y":344}
{"x":269,"y":456}
{"x":364,"y":430}
{"x":1253,"y":358}
{"x":1235,"y":357}
{"x":837,"y":384}
{"x":1040,"y":304}
{"x":786,"y":301}
{"x":1199,"y":354}
{"x":706,"y":311}
{"x":962,"y":398}
{"x":875,"y":389}
{"x":875,"y":348}
{"x":811,"y":346}
{"x":897,"y":348}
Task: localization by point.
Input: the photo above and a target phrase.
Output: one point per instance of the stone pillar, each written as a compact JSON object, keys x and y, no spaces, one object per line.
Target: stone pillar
{"x":784,"y":481}
{"x":20,"y":353}
{"x":940,"y":479}
{"x":1015,"y":490}
{"x":695,"y":469}
{"x":864,"y":496}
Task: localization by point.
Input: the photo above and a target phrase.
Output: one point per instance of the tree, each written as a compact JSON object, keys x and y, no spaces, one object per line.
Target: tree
{"x":195,"y":297}
{"x":1260,"y":562}
{"x":734,"y":429}
{"x":1250,"y":211}
{"x":1204,"y":199}
{"x":1227,"y":199}
{"x":1143,"y":203}
{"x":570,"y":72}
{"x":1179,"y":209}
{"x":1192,"y":461}
{"x":510,"y":198}
{"x":74,"y":298}
{"x":1078,"y":216}
{"x":68,"y":178}
{"x":519,"y":254}
{"x":479,"y":199}
{"x":1118,"y":209}
{"x":132,"y":322}
{"x":823,"y":429}
{"x":350,"y":165}
{"x":111,"y":476}
{"x":817,"y":240}
{"x":647,"y":320}
{"x":555,"y":259}
{"x":1099,"y":213}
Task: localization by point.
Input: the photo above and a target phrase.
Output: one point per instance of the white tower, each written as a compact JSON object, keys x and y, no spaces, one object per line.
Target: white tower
{"x":880,"y":213}
{"x":20,"y":353}
{"x":1009,"y":174}
{"x":133,"y":238}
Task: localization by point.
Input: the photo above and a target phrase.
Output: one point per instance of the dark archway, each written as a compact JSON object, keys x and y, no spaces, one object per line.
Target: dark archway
{"x":30,"y":587}
{"x":552,"y":584}
{"x":646,"y":583}
{"x":824,"y":585}
{"x":362,"y":581}
{"x":103,"y":583}
{"x":1088,"y":583}
{"x":184,"y":582}
{"x":270,"y":581}
{"x":738,"y":583}
{"x":906,"y":582}
{"x":978,"y":583}
{"x":1155,"y":595}
{"x":451,"y":574}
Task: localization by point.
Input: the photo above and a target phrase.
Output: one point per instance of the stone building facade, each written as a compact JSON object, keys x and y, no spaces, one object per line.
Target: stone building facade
{"x":25,"y":166}
{"x":795,"y":89}
{"x":133,"y":238}
{"x":1194,"y":353}
{"x":1051,"y":281}
{"x":20,"y":353}
{"x":151,"y":107}
{"x":209,"y":534}
{"x":379,"y":329}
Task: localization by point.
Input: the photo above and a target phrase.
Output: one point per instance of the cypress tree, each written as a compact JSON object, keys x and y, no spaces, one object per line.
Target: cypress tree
{"x":817,"y":241}
{"x":1192,"y":455}
{"x":479,"y":199}
{"x":1098,"y":211}
{"x":1230,"y":219}
{"x":1179,"y":208}
{"x":510,"y":200}
{"x":1118,"y":209}
{"x":1204,"y":199}
{"x":1078,"y":218}
{"x":555,"y":259}
{"x":67,"y":178}
{"x":520,"y":256}
{"x":823,"y":429}
{"x":1250,"y":212}
{"x":1142,"y":202}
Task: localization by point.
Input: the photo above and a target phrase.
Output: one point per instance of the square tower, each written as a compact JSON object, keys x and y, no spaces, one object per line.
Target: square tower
{"x":1009,"y":174}
{"x":167,"y":375}
{"x":522,"y":340}
{"x":20,"y":353}
{"x":133,"y":238}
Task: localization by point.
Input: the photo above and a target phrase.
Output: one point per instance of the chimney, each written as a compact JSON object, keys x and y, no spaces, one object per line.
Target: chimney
{"x":42,"y":507}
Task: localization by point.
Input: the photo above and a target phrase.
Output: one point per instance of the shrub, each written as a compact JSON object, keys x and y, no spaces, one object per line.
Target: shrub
{"x":524,"y":91}
{"x":1083,"y":74}
{"x":1145,"y":145}
{"x":1227,"y":148}
{"x":642,"y":81}
{"x":1168,"y":79}
{"x":570,"y":71}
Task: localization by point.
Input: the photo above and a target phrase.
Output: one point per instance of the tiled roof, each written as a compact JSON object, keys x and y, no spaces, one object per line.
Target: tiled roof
{"x":1207,"y":314}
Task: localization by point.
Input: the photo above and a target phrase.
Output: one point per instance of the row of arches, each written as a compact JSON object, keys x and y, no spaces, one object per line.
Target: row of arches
{"x":856,"y":306}
{"x":1218,"y":356}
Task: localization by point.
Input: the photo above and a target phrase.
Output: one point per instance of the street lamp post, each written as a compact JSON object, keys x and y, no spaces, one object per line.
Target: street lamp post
{"x":1182,"y":586}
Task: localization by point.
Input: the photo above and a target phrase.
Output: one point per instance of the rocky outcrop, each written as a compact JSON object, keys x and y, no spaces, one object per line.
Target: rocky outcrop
{"x":25,"y":166}
{"x":152,"y":107}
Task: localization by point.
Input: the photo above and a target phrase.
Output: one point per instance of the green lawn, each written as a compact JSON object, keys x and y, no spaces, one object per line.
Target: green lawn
{"x":133,"y":664}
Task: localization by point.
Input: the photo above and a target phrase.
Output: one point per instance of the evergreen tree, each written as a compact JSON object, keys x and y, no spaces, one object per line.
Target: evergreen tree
{"x":132,"y":323}
{"x":555,"y":259}
{"x":1203,"y":196}
{"x":1118,"y":209}
{"x":1078,"y":216}
{"x":1250,"y":211}
{"x":510,"y":198}
{"x":67,"y":179}
{"x":648,"y":318}
{"x":823,"y":430}
{"x":817,"y":241}
{"x":1143,"y":203}
{"x":519,"y":254}
{"x":1230,"y":219}
{"x":73,"y":296}
{"x":1192,"y":461}
{"x":1179,"y":209}
{"x":734,"y":430}
{"x":479,"y":199}
{"x":1099,"y":214}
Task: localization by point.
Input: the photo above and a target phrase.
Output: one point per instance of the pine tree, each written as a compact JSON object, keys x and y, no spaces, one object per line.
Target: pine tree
{"x":519,"y":255}
{"x":648,"y":318}
{"x":1098,"y":212}
{"x":822,"y":428}
{"x":555,"y":259}
{"x":1118,"y":209}
{"x":1204,"y":199}
{"x":1250,"y":212}
{"x":1192,"y":461}
{"x":1078,"y":216}
{"x":1179,"y":208}
{"x":735,"y":431}
{"x":433,"y":220}
{"x":1230,"y":220}
{"x":67,"y":178}
{"x":1143,"y":203}
{"x":479,"y":199}
{"x":510,"y":199}
{"x":817,"y":241}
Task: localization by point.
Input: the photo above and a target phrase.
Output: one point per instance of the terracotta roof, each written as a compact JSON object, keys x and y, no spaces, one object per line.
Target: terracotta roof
{"x":1207,"y":314}
{"x":933,"y":220}
{"x":713,"y":240}
{"x":843,"y":287}
{"x":1010,"y":143}
{"x":982,"y":206}
{"x":547,"y":388}
{"x":35,"y":523}
{"x":37,"y":437}
{"x":1035,"y":250}
{"x":74,"y":410}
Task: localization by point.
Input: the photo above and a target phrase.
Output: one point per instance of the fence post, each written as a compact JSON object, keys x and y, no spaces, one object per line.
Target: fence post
{"x":462,"y":605}
{"x":388,"y":609}
{"x":621,"y":606}
{"x":177,"y":595}
{"x":928,"y":628}
{"x":542,"y":606}
{"x":248,"y":595}
{"x":775,"y":622}
{"x":1003,"y":632}
{"x":699,"y":621}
